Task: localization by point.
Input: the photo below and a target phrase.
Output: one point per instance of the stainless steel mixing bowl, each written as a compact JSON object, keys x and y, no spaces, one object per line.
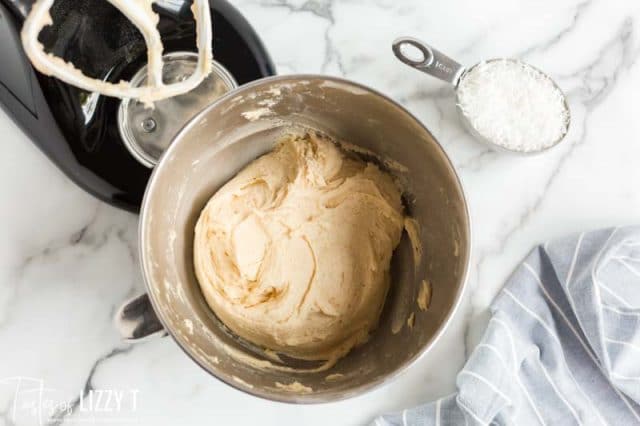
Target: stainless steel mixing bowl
{"x":241,"y":126}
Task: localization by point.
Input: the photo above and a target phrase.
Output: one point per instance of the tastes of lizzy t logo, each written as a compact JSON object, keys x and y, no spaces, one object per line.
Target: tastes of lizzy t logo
{"x":28,"y":401}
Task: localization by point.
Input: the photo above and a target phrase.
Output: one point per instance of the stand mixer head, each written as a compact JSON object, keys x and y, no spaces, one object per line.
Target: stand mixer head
{"x":78,"y":129}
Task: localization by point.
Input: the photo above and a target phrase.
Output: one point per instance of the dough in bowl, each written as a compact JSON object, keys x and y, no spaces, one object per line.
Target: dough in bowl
{"x":293,"y":253}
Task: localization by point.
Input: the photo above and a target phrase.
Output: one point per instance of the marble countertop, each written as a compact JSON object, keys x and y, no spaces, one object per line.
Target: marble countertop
{"x":67,"y":260}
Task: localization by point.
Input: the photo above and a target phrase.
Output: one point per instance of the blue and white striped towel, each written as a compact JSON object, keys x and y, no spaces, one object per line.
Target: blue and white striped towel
{"x":562,"y":346}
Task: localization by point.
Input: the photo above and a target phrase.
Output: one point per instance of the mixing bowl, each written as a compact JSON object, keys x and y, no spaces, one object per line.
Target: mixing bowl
{"x":245,"y":124}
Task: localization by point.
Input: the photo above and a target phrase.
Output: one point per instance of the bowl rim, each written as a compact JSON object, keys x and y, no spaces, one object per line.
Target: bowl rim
{"x":294,"y":398}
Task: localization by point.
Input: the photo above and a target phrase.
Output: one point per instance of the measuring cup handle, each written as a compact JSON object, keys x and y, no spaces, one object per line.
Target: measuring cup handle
{"x":432,"y":61}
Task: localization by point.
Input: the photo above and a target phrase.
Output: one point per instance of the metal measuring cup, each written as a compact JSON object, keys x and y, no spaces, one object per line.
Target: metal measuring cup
{"x":439,"y":65}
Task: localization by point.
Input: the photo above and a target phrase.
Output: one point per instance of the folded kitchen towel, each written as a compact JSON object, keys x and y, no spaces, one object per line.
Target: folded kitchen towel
{"x":562,"y":346}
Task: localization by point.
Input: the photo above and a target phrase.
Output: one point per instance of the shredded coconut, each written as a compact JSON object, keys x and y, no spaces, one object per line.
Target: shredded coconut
{"x":513,"y":105}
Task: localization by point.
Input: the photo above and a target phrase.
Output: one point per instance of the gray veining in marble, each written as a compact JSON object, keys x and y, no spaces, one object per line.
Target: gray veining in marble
{"x":67,"y":260}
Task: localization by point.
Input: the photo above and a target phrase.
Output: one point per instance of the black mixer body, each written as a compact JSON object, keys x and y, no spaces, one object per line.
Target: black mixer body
{"x":77,"y":129}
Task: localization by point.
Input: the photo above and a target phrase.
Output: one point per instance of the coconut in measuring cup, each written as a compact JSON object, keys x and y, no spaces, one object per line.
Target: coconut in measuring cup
{"x":505,"y":103}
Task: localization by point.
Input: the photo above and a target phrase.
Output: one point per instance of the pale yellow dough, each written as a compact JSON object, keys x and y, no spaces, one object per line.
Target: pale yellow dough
{"x":293,"y":253}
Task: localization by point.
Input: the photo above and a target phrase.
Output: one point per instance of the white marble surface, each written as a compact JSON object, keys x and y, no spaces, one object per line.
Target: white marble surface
{"x":67,"y":260}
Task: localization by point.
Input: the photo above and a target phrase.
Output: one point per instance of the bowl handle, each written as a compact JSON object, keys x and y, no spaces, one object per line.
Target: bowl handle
{"x":136,"y":320}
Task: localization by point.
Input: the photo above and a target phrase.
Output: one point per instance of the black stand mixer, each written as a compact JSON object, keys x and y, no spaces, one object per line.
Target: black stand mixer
{"x":78,"y":130}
